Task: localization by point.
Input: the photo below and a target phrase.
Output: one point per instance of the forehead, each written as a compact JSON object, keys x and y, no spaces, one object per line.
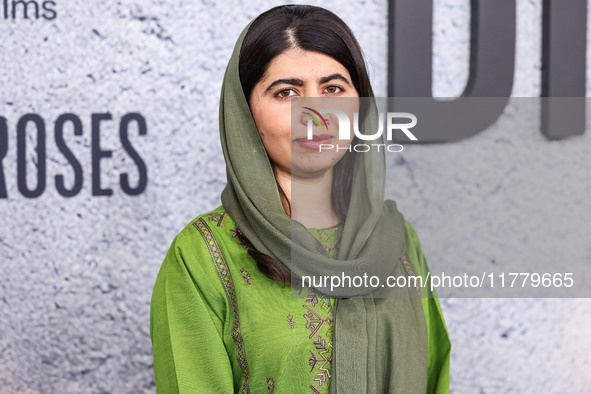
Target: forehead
{"x":297,"y":63}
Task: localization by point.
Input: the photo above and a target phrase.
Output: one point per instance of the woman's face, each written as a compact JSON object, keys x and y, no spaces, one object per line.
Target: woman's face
{"x":301,"y":74}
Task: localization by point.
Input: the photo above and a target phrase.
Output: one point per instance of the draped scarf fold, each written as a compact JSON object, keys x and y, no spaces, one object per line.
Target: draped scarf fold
{"x":379,"y":343}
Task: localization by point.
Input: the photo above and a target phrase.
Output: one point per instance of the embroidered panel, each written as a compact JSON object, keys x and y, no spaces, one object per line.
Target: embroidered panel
{"x":319,"y":320}
{"x":245,"y":276}
{"x":235,"y":232}
{"x":219,"y":218}
{"x":330,"y":238}
{"x":224,"y":273}
{"x":271,"y":385}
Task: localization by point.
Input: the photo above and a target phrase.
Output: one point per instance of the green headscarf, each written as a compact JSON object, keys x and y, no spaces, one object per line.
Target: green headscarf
{"x":380,"y":344}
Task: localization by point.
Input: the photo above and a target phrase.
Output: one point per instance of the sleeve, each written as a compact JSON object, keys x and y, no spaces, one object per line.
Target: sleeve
{"x":439,"y":343}
{"x":186,"y":332}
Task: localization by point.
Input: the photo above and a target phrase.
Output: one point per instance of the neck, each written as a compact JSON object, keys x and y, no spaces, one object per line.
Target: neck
{"x":310,"y":198}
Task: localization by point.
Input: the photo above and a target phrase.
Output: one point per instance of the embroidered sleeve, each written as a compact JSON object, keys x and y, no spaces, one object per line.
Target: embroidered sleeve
{"x":189,"y":353}
{"x":221,"y":265}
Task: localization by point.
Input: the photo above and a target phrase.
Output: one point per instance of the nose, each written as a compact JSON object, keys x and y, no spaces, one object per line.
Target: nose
{"x":310,"y":114}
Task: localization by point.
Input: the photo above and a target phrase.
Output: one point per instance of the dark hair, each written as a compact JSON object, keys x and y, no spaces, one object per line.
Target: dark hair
{"x":309,"y":28}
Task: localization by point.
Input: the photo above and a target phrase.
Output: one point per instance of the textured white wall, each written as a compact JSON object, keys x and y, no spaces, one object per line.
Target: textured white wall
{"x":77,"y":273}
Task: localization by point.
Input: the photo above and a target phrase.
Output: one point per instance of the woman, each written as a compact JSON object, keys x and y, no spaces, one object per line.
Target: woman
{"x":224,"y":317}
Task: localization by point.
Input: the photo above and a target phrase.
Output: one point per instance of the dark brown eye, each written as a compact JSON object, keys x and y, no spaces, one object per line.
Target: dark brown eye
{"x":286,"y":93}
{"x":333,"y":89}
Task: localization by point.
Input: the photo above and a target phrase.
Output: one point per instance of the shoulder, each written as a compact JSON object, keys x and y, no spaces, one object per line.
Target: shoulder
{"x":207,"y":229}
{"x":411,"y":237}
{"x":218,"y":217}
{"x":197,"y":263}
{"x":208,"y":241}
{"x":205,"y":244}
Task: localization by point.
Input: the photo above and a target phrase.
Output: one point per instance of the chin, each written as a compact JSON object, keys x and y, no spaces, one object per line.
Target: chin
{"x":312,"y":169}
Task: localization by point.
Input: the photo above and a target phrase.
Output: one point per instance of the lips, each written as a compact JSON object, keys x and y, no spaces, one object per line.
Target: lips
{"x":320,"y":137}
{"x":315,"y":142}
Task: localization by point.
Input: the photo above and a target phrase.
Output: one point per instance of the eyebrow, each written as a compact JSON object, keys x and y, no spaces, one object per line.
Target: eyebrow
{"x":334,"y":76}
{"x":299,"y":82}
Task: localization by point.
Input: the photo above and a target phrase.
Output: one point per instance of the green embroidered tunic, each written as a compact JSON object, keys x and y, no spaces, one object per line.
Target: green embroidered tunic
{"x":218,"y":325}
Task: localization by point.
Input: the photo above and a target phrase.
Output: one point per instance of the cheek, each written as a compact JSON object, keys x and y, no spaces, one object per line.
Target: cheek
{"x":273,"y":124}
